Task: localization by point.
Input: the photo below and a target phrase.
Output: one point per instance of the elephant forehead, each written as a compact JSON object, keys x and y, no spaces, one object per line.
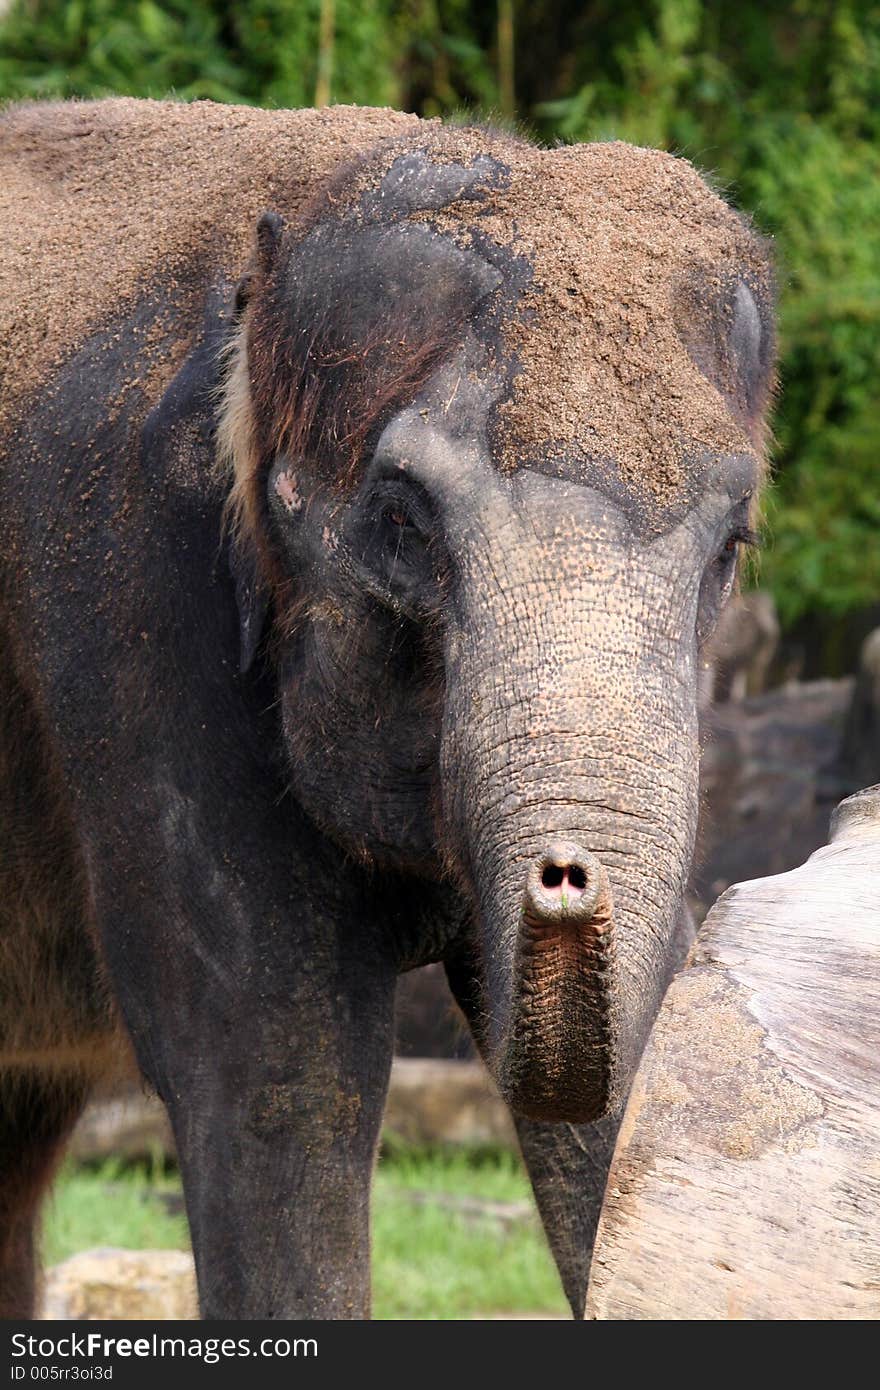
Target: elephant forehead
{"x":613,"y":236}
{"x":599,"y":371}
{"x":620,"y":260}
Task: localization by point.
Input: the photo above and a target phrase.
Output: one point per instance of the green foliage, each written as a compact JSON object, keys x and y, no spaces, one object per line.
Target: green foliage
{"x":98,"y":47}
{"x":277,"y":44}
{"x":419,"y":54}
{"x":780,"y":99}
{"x":820,"y":193}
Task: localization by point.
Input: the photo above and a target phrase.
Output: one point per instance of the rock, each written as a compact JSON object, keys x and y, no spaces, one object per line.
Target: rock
{"x":133,"y":1126}
{"x":741,"y":650}
{"x":438,"y":1102}
{"x":769,"y":779}
{"x":428,"y":1021}
{"x":860,"y":751}
{"x":122,"y":1284}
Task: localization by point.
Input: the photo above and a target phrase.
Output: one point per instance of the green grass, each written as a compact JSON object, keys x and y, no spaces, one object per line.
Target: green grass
{"x":432,"y":1262}
{"x":492,"y":1174}
{"x":110,"y":1205}
{"x":429,"y":1261}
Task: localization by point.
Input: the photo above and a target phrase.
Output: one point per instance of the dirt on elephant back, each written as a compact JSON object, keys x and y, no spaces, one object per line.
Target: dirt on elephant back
{"x":97,"y":197}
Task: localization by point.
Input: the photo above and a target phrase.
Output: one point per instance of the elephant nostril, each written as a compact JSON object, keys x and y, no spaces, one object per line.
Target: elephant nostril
{"x":577,"y":878}
{"x":564,"y":884}
{"x":562,"y":880}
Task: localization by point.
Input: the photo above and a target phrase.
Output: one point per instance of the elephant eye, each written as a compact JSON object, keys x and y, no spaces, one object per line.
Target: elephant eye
{"x":401,"y":532}
{"x":398,"y":517}
{"x":398,"y":546}
{"x":725,"y":563}
{"x":404,"y":547}
{"x":719,"y":579}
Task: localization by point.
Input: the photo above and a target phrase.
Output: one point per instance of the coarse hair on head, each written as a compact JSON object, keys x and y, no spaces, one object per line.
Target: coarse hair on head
{"x":306,"y":377}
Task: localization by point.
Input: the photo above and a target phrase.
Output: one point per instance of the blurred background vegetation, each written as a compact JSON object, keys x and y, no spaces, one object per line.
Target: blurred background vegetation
{"x":778,"y":99}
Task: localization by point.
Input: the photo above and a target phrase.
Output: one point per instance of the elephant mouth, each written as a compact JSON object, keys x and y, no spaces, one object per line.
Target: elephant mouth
{"x":558,"y":1061}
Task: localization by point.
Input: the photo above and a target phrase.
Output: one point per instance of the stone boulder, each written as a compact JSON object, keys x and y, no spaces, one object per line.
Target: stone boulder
{"x":133,"y":1126}
{"x":741,"y":650}
{"x":860,"y":750}
{"x":770,"y":777}
{"x":439,"y":1102}
{"x":122,"y":1284}
{"x":428,"y":1022}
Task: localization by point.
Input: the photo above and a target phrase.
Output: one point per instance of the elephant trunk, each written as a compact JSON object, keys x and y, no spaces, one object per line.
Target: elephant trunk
{"x":570,"y":771}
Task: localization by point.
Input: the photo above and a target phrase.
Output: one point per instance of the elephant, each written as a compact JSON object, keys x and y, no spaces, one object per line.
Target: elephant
{"x":369,"y":488}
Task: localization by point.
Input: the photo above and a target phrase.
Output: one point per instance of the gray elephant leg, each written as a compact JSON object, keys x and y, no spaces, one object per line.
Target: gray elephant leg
{"x":267,"y":1029}
{"x":277,"y":1140}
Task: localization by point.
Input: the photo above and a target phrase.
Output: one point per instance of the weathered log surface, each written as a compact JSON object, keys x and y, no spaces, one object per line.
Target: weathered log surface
{"x":746,"y":1180}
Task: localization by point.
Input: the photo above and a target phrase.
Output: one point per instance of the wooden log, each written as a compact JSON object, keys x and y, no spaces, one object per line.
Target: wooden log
{"x":746,"y":1179}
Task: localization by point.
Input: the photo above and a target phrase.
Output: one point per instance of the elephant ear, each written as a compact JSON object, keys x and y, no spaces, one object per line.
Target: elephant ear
{"x":252,"y":597}
{"x":252,"y":593}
